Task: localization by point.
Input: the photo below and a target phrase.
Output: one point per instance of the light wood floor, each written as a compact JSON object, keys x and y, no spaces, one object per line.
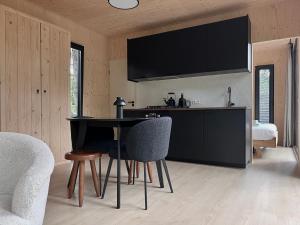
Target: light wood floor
{"x":267,"y":193}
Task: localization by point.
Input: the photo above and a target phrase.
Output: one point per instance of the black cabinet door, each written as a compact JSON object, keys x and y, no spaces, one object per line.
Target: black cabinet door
{"x":186,"y":142}
{"x":225,"y":137}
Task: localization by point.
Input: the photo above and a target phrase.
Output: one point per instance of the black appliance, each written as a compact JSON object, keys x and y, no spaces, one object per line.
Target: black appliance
{"x":183,"y":103}
{"x":171,"y":102}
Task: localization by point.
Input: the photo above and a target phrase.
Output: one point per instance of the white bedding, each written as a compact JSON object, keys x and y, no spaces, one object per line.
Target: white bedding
{"x":264,"y":131}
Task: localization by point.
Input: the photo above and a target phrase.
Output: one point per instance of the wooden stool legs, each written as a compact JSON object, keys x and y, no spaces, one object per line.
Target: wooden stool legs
{"x":95,"y":178}
{"x":73,"y":177}
{"x":81,"y":182}
{"x":80,"y":165}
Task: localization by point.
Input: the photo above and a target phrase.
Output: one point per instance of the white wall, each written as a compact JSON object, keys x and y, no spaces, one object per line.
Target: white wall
{"x":204,"y":91}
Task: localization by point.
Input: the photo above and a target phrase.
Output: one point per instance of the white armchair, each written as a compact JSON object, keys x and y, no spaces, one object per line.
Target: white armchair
{"x":26,"y":164}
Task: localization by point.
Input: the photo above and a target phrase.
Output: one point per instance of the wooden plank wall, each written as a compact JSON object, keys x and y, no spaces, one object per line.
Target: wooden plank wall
{"x":55,"y":61}
{"x":96,"y":78}
{"x":28,"y":86}
{"x":34,"y":73}
{"x":2,"y":65}
{"x":55,"y":55}
{"x":35,"y":56}
{"x":11,"y":72}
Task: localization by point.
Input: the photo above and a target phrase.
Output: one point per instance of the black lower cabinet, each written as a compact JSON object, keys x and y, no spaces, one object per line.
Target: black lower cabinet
{"x":224,"y":137}
{"x":210,"y":136}
{"x":186,"y":141}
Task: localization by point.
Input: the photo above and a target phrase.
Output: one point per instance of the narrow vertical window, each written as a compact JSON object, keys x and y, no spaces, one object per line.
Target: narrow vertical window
{"x":76,"y":79}
{"x":264,"y":93}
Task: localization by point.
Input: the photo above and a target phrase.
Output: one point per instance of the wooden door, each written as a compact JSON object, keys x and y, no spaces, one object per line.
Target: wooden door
{"x":29,"y":80}
{"x":20,"y":83}
{"x":55,"y":61}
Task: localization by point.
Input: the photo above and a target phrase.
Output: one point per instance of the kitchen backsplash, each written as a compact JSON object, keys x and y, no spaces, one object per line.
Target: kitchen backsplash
{"x":205,"y":91}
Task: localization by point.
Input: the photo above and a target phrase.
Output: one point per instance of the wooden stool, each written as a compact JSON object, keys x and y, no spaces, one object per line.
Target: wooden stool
{"x":79,"y":159}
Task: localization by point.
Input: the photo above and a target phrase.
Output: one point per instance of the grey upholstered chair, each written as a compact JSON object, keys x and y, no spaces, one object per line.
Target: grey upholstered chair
{"x":146,"y":142}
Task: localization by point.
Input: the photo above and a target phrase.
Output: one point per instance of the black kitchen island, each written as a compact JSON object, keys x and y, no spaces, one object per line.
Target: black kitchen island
{"x":216,"y":136}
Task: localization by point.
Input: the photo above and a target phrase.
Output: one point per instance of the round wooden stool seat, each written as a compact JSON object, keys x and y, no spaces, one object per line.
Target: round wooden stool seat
{"x":80,"y":156}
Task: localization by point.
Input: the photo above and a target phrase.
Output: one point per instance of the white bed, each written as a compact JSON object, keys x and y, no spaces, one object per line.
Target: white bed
{"x":264,"y":131}
{"x":264,"y":135}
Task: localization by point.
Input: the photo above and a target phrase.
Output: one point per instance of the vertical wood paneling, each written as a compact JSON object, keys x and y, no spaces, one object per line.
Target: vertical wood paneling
{"x":54,"y":93}
{"x":55,"y":66}
{"x":36,"y":107}
{"x":64,"y":61}
{"x":11,"y":71}
{"x":34,"y":75}
{"x":24,"y":76}
{"x":2,"y":69}
{"x":45,"y":71}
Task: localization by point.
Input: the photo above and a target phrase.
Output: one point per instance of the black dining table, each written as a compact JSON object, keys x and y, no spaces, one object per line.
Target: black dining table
{"x":118,"y":123}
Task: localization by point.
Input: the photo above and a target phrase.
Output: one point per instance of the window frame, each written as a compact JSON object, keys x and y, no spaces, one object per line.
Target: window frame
{"x":80,"y":81}
{"x":257,"y":93}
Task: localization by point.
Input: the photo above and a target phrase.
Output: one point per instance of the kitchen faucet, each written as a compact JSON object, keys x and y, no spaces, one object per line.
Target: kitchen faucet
{"x":229,"y":104}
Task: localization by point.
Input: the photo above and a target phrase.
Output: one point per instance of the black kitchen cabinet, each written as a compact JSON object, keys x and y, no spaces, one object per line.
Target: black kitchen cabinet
{"x":224,"y":137}
{"x":186,"y":141}
{"x":216,"y":48}
{"x":218,"y":136}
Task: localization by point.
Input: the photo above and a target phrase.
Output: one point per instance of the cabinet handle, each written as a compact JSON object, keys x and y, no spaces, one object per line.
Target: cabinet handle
{"x":37,"y":91}
{"x":45,"y":91}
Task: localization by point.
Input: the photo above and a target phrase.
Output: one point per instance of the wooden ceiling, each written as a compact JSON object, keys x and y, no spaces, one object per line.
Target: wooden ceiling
{"x":99,"y":16}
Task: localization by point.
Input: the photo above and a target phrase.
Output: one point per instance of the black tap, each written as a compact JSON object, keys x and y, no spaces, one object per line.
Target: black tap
{"x":229,"y":104}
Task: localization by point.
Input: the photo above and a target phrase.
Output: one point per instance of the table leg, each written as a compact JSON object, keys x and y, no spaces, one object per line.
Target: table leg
{"x":160,"y":174}
{"x":119,"y":169}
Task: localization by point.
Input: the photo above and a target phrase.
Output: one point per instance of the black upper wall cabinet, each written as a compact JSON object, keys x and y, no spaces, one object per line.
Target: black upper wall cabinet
{"x":215,"y":48}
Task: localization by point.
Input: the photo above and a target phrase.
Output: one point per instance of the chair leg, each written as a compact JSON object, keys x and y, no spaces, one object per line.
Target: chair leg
{"x":94,"y":176}
{"x":72,"y":179}
{"x":133,"y":177}
{"x":130,"y":172}
{"x":137,"y":169}
{"x":167,"y":174}
{"x":81,"y":182}
{"x":145,"y":185}
{"x":127,"y":166}
{"x":149,"y":167}
{"x":100,"y":171}
{"x":107,"y":176}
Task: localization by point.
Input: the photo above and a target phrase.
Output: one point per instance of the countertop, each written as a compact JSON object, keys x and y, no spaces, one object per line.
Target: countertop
{"x":190,"y":109}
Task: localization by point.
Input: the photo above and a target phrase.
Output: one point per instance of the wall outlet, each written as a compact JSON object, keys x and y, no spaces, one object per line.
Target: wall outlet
{"x":195,"y":102}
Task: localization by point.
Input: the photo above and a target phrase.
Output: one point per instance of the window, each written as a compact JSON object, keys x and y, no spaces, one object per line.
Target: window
{"x":76,"y":79}
{"x":264,"y":93}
